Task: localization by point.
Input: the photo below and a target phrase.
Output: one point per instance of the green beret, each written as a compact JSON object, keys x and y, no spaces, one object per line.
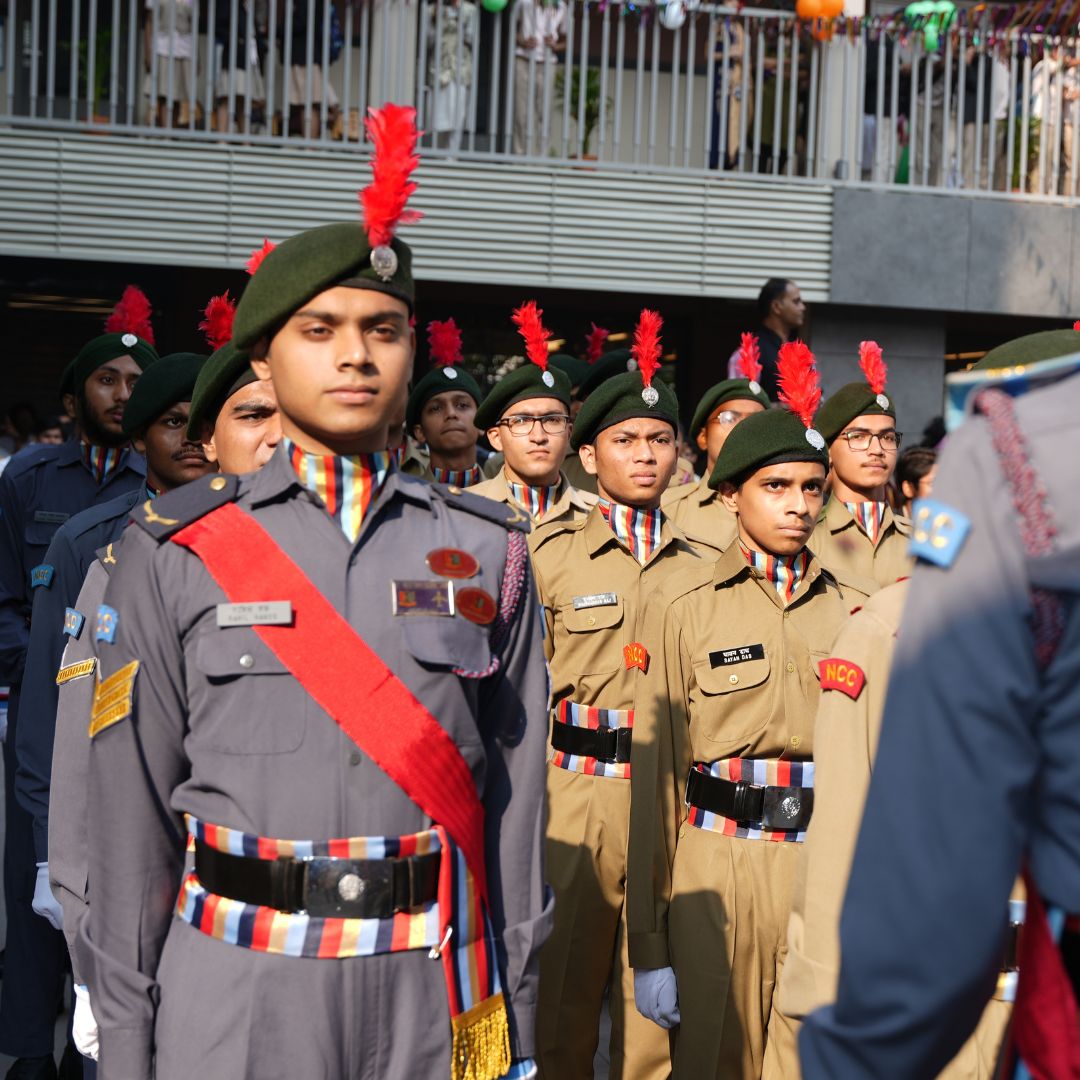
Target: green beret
{"x":576,"y":369}
{"x":101,"y":350}
{"x":616,"y":362}
{"x":523,"y":383}
{"x":620,"y":399}
{"x":769,"y":438}
{"x":1046,"y":345}
{"x":221,"y":376}
{"x":170,"y":380}
{"x":854,"y":399}
{"x":728,"y":390}
{"x":439,"y":381}
{"x":310,"y":263}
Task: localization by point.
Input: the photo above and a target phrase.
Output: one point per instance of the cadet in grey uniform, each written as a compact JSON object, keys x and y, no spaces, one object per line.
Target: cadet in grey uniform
{"x":333,"y":927}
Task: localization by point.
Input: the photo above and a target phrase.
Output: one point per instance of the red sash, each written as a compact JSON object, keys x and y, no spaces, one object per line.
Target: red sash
{"x":372,"y":706}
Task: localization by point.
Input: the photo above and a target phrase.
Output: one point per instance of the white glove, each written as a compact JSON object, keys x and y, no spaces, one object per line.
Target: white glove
{"x":656,"y":995}
{"x":84,"y":1029}
{"x":44,"y":903}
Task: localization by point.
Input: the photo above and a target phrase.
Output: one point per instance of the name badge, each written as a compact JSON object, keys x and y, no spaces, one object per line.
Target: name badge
{"x":422,"y":597}
{"x":258,"y":613}
{"x":739,"y":655}
{"x":600,"y":599}
{"x":50,"y":517}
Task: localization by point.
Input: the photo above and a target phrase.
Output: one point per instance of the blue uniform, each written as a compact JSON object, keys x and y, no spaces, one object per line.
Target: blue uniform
{"x":39,"y":491}
{"x":979,"y":763}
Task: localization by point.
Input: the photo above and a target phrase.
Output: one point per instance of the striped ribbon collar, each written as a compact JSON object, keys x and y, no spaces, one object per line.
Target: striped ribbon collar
{"x":102,"y":461}
{"x":637,"y":530}
{"x":461,"y":478}
{"x":345,"y":484}
{"x":869,"y":516}
{"x":535,"y":501}
{"x":783,"y":571}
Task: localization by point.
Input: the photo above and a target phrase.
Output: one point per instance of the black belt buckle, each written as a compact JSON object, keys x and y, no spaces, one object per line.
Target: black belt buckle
{"x":613,"y":745}
{"x":623,"y":738}
{"x":787,"y":808}
{"x":348,"y":888}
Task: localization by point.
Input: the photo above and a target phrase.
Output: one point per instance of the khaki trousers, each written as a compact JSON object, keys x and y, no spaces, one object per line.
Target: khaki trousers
{"x":588,"y":819}
{"x":727,"y":928}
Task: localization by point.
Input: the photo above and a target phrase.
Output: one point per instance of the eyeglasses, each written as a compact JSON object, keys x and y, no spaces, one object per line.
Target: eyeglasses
{"x":554,"y":424}
{"x":729,"y":418}
{"x":859,"y":440}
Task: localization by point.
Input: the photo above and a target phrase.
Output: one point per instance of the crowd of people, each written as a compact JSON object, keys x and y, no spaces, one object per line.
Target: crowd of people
{"x":341,"y":745}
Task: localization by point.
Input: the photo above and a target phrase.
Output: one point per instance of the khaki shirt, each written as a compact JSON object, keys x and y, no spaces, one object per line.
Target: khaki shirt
{"x":843,"y":547}
{"x":699,"y":511}
{"x":846,"y":736}
{"x":593,"y":594}
{"x":569,"y":506}
{"x":696,"y":705}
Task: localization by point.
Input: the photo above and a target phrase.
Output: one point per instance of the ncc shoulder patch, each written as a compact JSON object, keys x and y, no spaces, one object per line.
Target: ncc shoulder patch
{"x":112,"y":698}
{"x":73,"y":622}
{"x":512,"y":517}
{"x":169,"y":513}
{"x":105,"y":626}
{"x":41,"y":576}
{"x":842,"y":675}
{"x":938,"y":532}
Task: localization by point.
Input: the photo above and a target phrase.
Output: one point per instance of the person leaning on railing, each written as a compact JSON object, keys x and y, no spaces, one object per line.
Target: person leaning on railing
{"x":541,"y":36}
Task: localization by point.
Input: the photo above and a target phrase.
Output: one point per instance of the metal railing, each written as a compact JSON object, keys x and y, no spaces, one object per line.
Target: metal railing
{"x":748,"y":91}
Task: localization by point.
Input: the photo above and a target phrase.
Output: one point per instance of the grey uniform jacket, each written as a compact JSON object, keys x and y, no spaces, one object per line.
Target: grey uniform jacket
{"x":979,"y":761}
{"x":218,"y":728}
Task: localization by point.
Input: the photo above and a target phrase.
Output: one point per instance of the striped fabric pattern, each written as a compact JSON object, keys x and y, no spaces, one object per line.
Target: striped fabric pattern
{"x":637,"y":530}
{"x":785,"y":572}
{"x":869,"y":516}
{"x":263,"y":929}
{"x":569,"y":712}
{"x":102,"y":461}
{"x":762,"y":772}
{"x":461,"y":478}
{"x":535,"y":501}
{"x":346,"y":484}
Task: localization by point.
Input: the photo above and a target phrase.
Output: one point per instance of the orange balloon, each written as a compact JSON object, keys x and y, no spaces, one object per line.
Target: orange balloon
{"x":809,"y":9}
{"x":831,"y":9}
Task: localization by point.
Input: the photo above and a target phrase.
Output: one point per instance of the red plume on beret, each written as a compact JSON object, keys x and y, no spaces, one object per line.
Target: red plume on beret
{"x":800,"y":388}
{"x":131,"y":315}
{"x":217,"y":321}
{"x":258,"y":255}
{"x":873,"y":367}
{"x":528,"y":319}
{"x":1076,"y":325}
{"x":393,"y":135}
{"x":444,"y":341}
{"x":646,"y":347}
{"x":749,"y":363}
{"x":594,"y":343}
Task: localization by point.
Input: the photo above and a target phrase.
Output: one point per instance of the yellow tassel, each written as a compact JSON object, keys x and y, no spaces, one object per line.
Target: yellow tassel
{"x":481,"y":1048}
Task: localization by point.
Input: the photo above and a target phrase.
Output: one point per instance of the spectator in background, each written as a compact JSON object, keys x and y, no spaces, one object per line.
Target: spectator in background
{"x":51,"y":431}
{"x":541,"y":37}
{"x":450,"y":30}
{"x":20,"y":425}
{"x":242,"y":51}
{"x":305,"y":65}
{"x":168,"y":33}
{"x":782,"y":312}
{"x":914,"y":478}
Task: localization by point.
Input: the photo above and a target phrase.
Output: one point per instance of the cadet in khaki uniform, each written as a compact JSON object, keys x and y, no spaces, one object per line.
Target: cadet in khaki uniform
{"x":527,"y":420}
{"x":859,"y":532}
{"x":697,"y":508}
{"x":593,"y":575}
{"x":853,"y":682}
{"x":722,"y":763}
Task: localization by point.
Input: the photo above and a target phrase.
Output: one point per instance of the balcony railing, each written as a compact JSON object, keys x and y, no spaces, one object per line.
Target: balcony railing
{"x":751,"y":92}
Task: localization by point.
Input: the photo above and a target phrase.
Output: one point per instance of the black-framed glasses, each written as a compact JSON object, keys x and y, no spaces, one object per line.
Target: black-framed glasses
{"x":859,"y":440}
{"x":552,"y":424}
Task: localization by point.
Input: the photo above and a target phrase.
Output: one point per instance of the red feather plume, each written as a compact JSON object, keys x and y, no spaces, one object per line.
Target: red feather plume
{"x":873,"y":367}
{"x":800,"y":387}
{"x":528,"y":320}
{"x":1076,"y":325}
{"x":259,"y":254}
{"x":217,"y":321}
{"x":749,"y":365}
{"x":594,"y":343}
{"x":646,"y":347}
{"x":131,"y":315}
{"x":444,"y":341}
{"x":393,"y":134}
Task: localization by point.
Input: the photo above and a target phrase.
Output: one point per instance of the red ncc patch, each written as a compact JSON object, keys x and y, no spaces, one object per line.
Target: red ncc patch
{"x":636,"y":656}
{"x":842,"y":675}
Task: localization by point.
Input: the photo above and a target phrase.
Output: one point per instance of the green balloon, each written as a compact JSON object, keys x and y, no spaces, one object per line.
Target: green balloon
{"x":493,"y":5}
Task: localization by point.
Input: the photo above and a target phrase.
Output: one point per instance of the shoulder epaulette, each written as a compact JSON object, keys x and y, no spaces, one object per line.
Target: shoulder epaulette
{"x":93,"y":516}
{"x":508,"y":516}
{"x":26,"y":460}
{"x":107,"y":556}
{"x":169,"y":513}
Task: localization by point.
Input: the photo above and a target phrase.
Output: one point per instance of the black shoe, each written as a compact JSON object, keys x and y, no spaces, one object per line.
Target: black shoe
{"x":35,"y":1068}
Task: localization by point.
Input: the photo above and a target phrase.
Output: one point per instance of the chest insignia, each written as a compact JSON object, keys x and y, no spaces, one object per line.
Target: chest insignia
{"x":476,"y":605}
{"x":600,"y":599}
{"x":452,"y":563}
{"x":50,"y":517}
{"x":261,"y":613}
{"x":739,"y":655}
{"x":422,"y":597}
